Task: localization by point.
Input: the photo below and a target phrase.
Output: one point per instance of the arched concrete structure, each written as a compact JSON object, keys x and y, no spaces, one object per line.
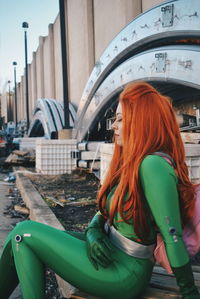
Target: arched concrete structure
{"x":134,"y":55}
{"x":181,"y":68}
{"x":48,"y":118}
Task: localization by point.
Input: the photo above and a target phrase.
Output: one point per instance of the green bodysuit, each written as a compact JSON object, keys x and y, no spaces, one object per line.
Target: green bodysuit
{"x":31,"y":246}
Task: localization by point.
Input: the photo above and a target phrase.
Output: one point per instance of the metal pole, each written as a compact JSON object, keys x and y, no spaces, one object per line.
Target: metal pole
{"x":64,"y":64}
{"x":25,"y":25}
{"x":15,"y":63}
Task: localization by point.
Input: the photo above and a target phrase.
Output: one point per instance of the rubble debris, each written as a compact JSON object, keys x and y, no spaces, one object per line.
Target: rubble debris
{"x":21,"y":157}
{"x":22,"y":210}
{"x":82,"y":203}
{"x":189,"y":137}
{"x":15,"y":200}
{"x":11,"y":178}
{"x":53,"y":202}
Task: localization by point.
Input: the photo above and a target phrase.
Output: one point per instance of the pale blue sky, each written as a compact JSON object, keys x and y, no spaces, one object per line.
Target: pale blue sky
{"x":39,"y":14}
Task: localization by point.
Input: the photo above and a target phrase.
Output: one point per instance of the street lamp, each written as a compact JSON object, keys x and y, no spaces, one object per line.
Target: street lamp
{"x":25,"y":26}
{"x":14,"y":64}
{"x":9,"y":103}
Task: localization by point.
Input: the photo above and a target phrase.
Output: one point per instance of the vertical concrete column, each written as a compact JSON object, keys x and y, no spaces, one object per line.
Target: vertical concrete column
{"x":23,"y":102}
{"x":110,"y":17}
{"x":4,"y":106}
{"x":147,"y":4}
{"x":30,"y":92}
{"x":40,"y":68}
{"x":18,"y":101}
{"x":10,"y":101}
{"x":7,"y":107}
{"x":57,"y":60}
{"x":19,"y":108}
{"x":33,"y":82}
{"x":13,"y":106}
{"x":80,"y":46}
{"x":49,"y":67}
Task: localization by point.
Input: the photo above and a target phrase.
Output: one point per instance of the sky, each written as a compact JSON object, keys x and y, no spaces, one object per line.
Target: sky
{"x":38,"y":14}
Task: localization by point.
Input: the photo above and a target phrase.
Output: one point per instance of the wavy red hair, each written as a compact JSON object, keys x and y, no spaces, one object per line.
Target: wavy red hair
{"x":149,"y":125}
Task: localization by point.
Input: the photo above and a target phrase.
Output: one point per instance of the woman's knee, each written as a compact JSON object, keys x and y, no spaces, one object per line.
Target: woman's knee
{"x":24,"y":227}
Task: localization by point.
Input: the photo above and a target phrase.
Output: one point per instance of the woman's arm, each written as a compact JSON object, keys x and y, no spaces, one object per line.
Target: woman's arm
{"x":159,"y":185}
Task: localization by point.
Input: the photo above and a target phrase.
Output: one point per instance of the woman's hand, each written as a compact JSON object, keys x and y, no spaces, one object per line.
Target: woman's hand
{"x":98,"y":245}
{"x":98,"y":248}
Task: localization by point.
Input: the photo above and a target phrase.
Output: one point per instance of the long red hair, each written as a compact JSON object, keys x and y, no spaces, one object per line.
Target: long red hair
{"x":148,"y":124}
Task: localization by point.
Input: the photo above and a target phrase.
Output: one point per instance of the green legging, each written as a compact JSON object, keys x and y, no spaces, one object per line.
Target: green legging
{"x":66,"y":255}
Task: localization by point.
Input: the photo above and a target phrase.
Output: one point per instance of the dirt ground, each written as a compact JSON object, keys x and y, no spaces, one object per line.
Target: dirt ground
{"x":72,"y":198}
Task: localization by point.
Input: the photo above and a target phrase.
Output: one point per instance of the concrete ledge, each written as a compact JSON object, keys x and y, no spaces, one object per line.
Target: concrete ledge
{"x":40,"y":212}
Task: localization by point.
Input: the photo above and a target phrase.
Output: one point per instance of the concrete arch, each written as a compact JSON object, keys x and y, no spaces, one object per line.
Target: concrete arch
{"x":173,"y":64}
{"x":172,"y":22}
{"x":48,"y":118}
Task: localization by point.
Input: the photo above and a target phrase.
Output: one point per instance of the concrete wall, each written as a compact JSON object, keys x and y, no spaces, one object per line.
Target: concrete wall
{"x":30,"y":87}
{"x":147,"y":4}
{"x":22,"y":111}
{"x":33,"y":83}
{"x":4,"y":106}
{"x":49,"y":69}
{"x":110,"y":17}
{"x":7,"y":104}
{"x":80,"y":35}
{"x":57,"y":60}
{"x":18,"y":101}
{"x":40,"y":68}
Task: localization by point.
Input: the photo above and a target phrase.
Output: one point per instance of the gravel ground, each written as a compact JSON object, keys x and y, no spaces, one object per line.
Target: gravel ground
{"x":72,"y":198}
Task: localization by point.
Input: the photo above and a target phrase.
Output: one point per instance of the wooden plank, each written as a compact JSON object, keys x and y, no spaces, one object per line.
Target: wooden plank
{"x":159,"y":268}
{"x":162,"y":273}
{"x":196,"y":269}
{"x":162,"y":285}
{"x":163,"y":282}
{"x":152,"y":293}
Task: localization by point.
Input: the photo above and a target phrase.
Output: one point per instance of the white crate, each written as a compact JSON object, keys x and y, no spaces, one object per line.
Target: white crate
{"x":54,"y":156}
{"x":28,"y":143}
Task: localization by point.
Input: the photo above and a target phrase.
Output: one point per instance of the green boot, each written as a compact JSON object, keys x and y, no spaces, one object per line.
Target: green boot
{"x":185,"y":281}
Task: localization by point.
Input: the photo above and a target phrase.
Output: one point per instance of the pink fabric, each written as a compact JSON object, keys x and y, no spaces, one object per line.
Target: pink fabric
{"x":160,"y":254}
{"x":191,"y":233}
{"x":191,"y":237}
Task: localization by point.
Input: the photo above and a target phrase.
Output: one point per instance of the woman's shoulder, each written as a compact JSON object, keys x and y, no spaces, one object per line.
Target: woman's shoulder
{"x":156,"y":168}
{"x":152,"y":159}
{"x":154,"y":162}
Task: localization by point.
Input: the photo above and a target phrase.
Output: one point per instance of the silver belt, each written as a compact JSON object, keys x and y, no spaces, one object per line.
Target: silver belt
{"x":128,"y":246}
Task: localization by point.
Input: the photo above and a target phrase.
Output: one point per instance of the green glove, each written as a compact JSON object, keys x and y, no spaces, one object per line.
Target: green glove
{"x":98,"y":245}
{"x":185,"y":281}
